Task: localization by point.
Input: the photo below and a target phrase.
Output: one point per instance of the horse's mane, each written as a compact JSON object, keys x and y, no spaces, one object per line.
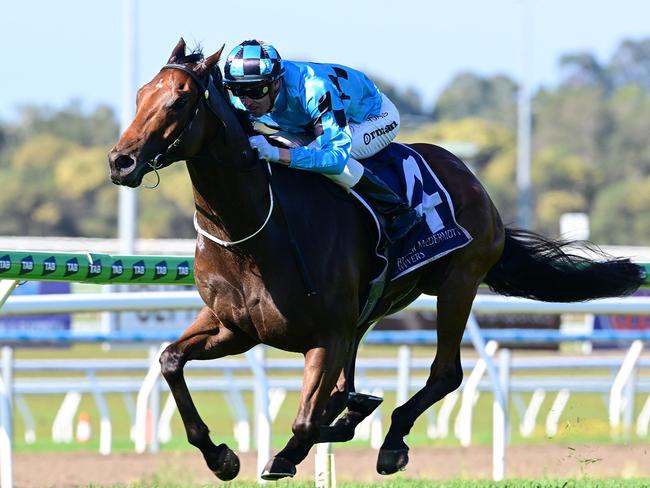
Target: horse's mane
{"x":196,"y":56}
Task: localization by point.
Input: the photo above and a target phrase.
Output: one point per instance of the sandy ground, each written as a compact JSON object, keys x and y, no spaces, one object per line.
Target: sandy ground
{"x":83,"y":469}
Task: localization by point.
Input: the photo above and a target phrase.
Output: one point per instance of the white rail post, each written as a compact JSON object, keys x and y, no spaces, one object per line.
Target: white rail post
{"x":479,"y":344}
{"x":7,"y":287}
{"x":376,"y":425}
{"x":154,"y":400}
{"x":6,"y":452}
{"x":403,"y":374}
{"x":164,"y":423}
{"x":105,"y":426}
{"x":324,"y":466}
{"x":463,"y":424}
{"x":553,"y":417}
{"x":28,"y":419}
{"x":643,"y":419}
{"x":501,"y":419}
{"x":255,"y":359}
{"x":622,"y":377}
{"x":242,"y":426}
{"x":63,"y":425}
{"x":142,"y":402}
{"x":442,"y":424}
{"x":527,"y":425}
{"x":8,"y":378}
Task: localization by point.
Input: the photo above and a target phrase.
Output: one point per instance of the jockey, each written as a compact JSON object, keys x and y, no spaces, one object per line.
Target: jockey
{"x":328,"y":115}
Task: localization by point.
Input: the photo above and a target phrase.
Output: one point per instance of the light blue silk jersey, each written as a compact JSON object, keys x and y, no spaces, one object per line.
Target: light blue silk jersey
{"x":320,"y":100}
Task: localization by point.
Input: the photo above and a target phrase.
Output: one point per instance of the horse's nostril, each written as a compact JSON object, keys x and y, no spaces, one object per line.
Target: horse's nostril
{"x":124,"y":162}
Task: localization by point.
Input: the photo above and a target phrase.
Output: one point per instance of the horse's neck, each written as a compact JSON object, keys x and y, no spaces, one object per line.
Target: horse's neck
{"x":232,"y":201}
{"x":231,"y":190}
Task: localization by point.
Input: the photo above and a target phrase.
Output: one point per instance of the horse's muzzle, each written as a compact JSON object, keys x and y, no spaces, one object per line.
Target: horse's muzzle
{"x":123,"y":169}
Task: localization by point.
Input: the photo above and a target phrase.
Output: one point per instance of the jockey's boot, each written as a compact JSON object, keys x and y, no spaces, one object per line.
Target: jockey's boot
{"x":398,"y":216}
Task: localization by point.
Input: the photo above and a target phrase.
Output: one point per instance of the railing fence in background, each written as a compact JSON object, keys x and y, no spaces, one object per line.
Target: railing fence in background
{"x":107,"y":269}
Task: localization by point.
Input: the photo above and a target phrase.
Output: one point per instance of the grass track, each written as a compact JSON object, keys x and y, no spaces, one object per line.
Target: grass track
{"x":404,"y":483}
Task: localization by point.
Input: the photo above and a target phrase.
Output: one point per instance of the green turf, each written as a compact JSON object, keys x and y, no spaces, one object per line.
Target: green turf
{"x":405,"y":483}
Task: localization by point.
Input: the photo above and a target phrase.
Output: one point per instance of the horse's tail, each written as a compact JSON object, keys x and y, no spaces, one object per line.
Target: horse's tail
{"x":535,"y":267}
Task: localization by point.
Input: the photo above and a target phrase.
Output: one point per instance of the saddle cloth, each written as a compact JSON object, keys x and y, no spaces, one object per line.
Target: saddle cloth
{"x":438,"y":234}
{"x":407,"y":174}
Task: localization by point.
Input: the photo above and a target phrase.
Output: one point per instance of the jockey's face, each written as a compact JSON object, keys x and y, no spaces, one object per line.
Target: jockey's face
{"x":260,"y":106}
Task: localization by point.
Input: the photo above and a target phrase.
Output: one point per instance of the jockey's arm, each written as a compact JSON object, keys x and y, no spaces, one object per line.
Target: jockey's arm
{"x":330,"y":151}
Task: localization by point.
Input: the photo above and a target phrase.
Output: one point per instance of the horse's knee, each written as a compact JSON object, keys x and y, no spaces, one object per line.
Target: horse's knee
{"x":171,"y":361}
{"x":305,"y":430}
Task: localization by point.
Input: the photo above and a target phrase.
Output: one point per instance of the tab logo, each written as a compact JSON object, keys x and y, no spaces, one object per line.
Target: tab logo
{"x":94,"y":269}
{"x":139,"y":269}
{"x":182,"y":270}
{"x":160,"y":270}
{"x":117,"y":269}
{"x":49,"y":266}
{"x":27,"y":265}
{"x":71,"y":267}
{"x":5,"y":263}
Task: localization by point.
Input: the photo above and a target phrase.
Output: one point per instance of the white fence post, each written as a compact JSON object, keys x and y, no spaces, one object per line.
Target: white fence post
{"x":142,"y":402}
{"x":500,"y":418}
{"x":622,"y":377}
{"x":463,"y":425}
{"x":6,"y":419}
{"x":557,"y":408}
{"x":63,"y":425}
{"x":527,"y":425}
{"x":256,"y":357}
{"x":403,"y":374}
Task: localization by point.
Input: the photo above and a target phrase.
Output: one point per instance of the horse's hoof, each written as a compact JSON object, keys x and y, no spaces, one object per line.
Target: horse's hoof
{"x":363,"y":403}
{"x":278,"y":468}
{"x":225,"y":464}
{"x":392,"y":461}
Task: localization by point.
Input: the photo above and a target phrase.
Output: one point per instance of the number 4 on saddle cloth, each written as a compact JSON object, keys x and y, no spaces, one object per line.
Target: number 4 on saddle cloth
{"x":438,"y":233}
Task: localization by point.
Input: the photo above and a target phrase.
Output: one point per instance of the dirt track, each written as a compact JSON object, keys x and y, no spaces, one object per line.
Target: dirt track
{"x":82,"y":469}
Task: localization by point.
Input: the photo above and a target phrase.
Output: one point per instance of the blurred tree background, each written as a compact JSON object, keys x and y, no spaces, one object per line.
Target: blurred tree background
{"x":591,"y":153}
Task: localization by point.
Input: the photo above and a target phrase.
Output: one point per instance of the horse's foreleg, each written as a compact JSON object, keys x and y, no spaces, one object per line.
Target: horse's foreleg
{"x":446,"y":374}
{"x":206,"y":338}
{"x":323,"y":365}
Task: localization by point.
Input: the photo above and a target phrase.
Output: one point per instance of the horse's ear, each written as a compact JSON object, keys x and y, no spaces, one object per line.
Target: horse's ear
{"x":210,"y":61}
{"x":178,"y":51}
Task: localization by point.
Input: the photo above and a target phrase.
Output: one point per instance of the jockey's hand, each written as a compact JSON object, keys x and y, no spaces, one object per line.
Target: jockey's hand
{"x":264,"y":149}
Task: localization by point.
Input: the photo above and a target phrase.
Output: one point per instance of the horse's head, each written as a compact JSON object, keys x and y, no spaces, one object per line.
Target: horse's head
{"x":169,"y":123}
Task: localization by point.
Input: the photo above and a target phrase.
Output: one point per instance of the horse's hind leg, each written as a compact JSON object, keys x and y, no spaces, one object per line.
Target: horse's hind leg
{"x":359,"y":405}
{"x":454,"y":304}
{"x":323,"y":365}
{"x":206,"y":338}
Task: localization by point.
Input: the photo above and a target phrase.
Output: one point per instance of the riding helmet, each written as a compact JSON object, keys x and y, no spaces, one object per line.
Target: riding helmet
{"x":252,"y":61}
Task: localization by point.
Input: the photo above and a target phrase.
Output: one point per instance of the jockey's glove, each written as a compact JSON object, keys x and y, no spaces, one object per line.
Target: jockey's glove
{"x":264,"y":149}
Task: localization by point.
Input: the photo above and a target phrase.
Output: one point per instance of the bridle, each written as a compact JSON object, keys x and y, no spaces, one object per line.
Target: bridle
{"x":163,"y":159}
{"x":210,"y":93}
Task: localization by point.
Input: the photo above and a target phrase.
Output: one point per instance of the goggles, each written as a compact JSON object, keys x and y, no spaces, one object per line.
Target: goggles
{"x":254,"y":92}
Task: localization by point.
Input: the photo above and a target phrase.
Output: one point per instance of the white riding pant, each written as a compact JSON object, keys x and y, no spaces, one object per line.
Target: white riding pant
{"x":368,"y":138}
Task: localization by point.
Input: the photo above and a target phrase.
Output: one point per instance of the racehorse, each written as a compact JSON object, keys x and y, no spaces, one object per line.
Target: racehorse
{"x":258,"y":289}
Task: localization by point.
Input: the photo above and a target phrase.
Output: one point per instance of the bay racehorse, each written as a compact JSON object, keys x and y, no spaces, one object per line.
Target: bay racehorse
{"x":253,"y":281}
